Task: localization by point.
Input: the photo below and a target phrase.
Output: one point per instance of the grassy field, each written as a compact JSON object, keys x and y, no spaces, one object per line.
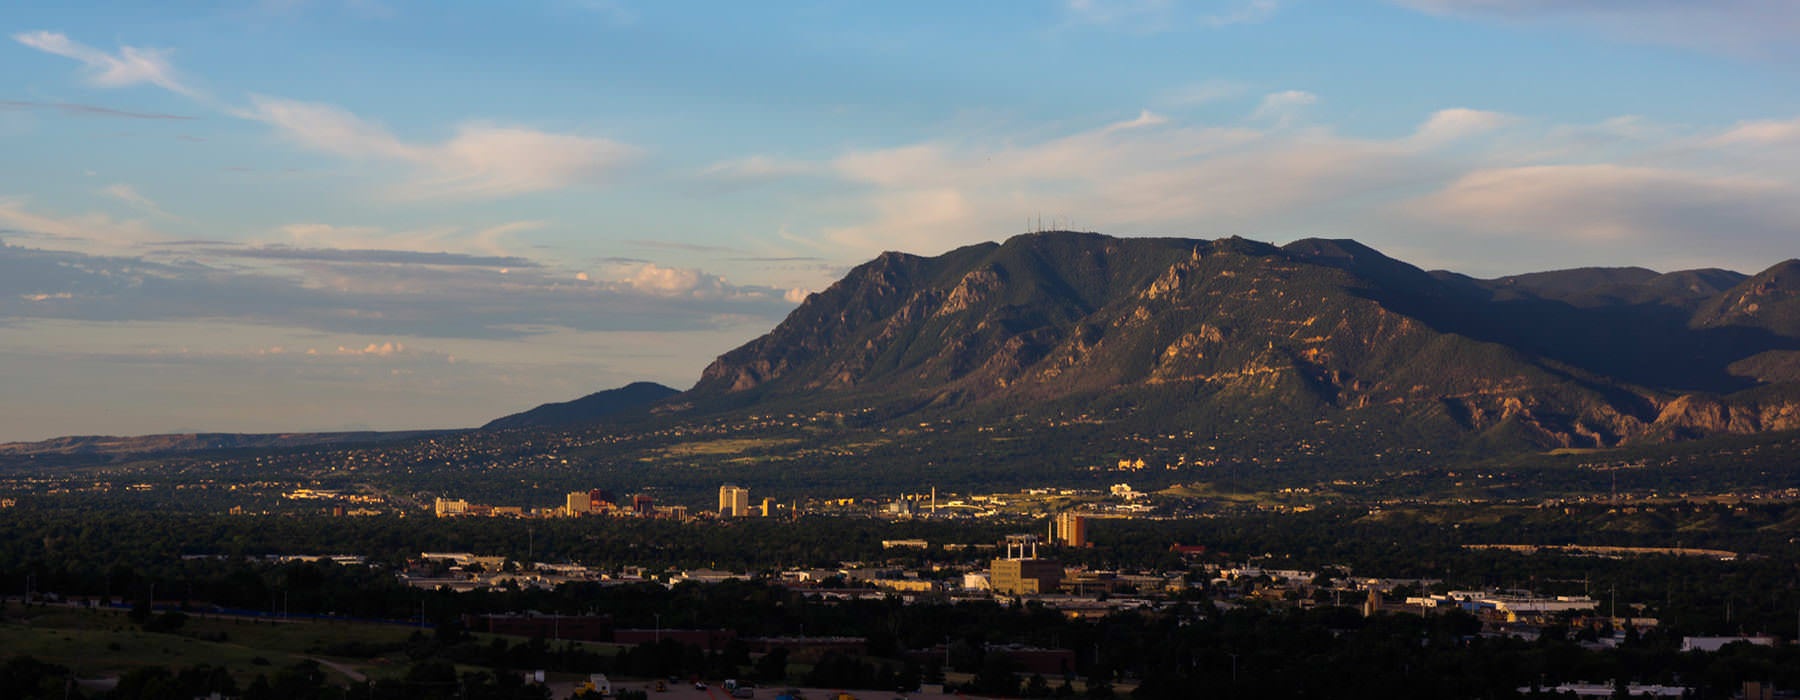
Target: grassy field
{"x":104,"y":643}
{"x":723,"y":447}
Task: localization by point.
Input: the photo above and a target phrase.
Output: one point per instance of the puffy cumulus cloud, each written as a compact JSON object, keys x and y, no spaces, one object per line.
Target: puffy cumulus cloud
{"x":480,"y":160}
{"x":796,"y":295}
{"x":386,"y":349}
{"x":1725,"y":26}
{"x":130,"y":66}
{"x":657,"y":280}
{"x":663,"y":281}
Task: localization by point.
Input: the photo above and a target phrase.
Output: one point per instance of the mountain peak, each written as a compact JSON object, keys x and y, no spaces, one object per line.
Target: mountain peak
{"x":1234,"y":334}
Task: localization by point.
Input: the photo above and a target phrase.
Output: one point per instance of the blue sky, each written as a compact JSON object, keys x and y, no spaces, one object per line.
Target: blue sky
{"x":340,"y":214}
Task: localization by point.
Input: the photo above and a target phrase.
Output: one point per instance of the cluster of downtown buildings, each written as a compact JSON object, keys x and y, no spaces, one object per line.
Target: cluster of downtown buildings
{"x":734,"y":502}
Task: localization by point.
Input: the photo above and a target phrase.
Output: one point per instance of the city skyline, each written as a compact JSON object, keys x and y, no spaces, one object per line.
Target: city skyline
{"x":302,"y":216}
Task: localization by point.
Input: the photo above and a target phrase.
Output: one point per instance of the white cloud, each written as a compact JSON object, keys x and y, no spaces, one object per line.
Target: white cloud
{"x":657,"y":280}
{"x":1145,"y":119}
{"x":1451,"y":191}
{"x":317,"y":235}
{"x":131,"y":66}
{"x":480,"y":160}
{"x":1614,"y":204}
{"x":1766,"y":132}
{"x":90,"y":232}
{"x":759,"y":168}
{"x":1285,"y":106}
{"x":1449,"y":125}
{"x":385,"y":349}
{"x":129,"y":195}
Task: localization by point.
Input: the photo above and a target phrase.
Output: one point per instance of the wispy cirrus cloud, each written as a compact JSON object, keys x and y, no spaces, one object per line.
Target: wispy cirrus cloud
{"x":130,"y":66}
{"x":481,"y":160}
{"x":130,"y":195}
{"x":1476,"y":190}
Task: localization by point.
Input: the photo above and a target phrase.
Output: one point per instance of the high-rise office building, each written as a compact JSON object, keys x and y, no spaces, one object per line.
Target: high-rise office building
{"x":578,"y":503}
{"x":1069,"y":529}
{"x":734,"y":501}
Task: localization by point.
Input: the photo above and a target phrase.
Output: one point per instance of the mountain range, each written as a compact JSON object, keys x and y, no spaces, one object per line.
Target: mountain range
{"x":1232,"y":336}
{"x":1236,"y":343}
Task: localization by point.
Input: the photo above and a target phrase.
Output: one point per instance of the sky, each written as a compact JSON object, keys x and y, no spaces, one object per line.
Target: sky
{"x":309,"y":215}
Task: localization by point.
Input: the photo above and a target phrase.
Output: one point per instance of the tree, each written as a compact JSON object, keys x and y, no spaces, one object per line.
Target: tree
{"x":772,"y":667}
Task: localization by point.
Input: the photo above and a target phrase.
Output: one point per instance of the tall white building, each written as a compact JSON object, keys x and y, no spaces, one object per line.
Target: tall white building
{"x":578,"y":503}
{"x":734,"y":501}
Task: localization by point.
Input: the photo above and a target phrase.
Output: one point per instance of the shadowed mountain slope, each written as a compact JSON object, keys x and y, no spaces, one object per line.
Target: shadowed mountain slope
{"x":1235,"y":335}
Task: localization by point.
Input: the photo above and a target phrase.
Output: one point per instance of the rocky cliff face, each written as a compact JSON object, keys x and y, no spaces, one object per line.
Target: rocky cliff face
{"x":1189,"y":333}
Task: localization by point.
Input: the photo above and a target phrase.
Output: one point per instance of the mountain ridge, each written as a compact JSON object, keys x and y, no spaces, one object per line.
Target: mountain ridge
{"x":1315,"y":330}
{"x":589,"y":409}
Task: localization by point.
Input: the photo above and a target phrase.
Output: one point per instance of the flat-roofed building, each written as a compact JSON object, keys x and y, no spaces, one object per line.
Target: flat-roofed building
{"x":734,"y":501}
{"x":1021,"y":572}
{"x":451,"y":507}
